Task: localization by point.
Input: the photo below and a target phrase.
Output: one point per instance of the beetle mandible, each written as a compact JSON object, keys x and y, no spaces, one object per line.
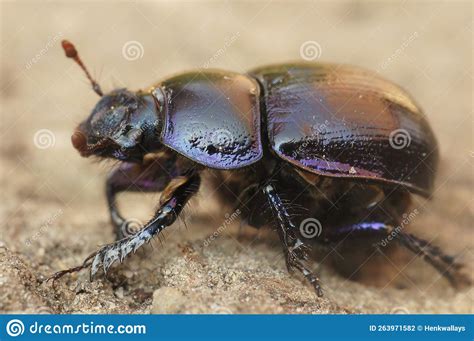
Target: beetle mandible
{"x":347,"y":145}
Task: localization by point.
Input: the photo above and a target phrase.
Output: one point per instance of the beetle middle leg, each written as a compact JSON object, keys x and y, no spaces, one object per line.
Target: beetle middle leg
{"x":296,"y":251}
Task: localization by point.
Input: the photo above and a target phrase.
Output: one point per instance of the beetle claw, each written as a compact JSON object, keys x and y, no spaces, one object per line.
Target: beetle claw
{"x":95,"y":266}
{"x":110,"y":256}
{"x":296,"y":262}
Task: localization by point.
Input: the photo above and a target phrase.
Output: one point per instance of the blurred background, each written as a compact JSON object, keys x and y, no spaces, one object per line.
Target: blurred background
{"x":53,"y":209}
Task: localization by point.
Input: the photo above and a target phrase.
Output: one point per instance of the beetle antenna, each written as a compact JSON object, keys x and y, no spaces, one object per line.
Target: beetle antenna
{"x":71,"y":52}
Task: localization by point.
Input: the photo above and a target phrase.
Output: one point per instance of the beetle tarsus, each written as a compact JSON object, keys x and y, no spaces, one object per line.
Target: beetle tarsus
{"x":296,"y":252}
{"x":57,"y":275}
{"x":446,"y":265}
{"x":119,"y":250}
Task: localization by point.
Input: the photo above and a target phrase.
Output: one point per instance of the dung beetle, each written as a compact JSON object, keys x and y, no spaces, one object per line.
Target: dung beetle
{"x":339,"y":141}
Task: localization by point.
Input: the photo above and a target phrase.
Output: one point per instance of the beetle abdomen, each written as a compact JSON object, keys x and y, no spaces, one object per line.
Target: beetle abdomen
{"x":213,"y":118}
{"x":343,"y":121}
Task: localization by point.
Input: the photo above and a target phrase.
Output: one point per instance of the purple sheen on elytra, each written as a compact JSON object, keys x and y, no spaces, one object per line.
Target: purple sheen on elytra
{"x":342,"y":121}
{"x":336,"y":167}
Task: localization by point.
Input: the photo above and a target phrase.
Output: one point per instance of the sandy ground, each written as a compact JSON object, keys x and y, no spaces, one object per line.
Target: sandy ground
{"x":53,"y":211}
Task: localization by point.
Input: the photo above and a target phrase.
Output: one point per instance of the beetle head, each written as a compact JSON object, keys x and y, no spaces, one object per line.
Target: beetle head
{"x":118,"y":127}
{"x":122,"y":124}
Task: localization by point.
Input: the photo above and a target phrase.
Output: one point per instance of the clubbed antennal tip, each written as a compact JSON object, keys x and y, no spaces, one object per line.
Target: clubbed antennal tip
{"x":71,"y":52}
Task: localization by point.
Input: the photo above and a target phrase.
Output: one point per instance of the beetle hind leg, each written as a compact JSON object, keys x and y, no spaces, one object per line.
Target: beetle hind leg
{"x":446,"y":265}
{"x":383,"y":234}
{"x":296,"y":252}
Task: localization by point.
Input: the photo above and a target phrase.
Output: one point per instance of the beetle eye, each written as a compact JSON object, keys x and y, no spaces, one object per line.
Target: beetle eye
{"x":106,"y":119}
{"x":111,"y":112}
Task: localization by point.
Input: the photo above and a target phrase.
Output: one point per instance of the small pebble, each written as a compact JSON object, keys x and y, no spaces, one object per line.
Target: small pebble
{"x":119,"y":292}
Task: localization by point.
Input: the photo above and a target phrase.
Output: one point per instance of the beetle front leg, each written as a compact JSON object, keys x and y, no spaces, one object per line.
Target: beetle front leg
{"x":296,"y":252}
{"x":174,"y":198}
{"x":132,"y":177}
